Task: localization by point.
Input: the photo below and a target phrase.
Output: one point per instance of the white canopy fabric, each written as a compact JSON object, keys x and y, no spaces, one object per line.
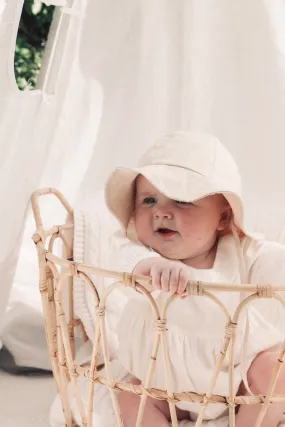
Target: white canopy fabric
{"x":124,"y":73}
{"x":46,"y":138}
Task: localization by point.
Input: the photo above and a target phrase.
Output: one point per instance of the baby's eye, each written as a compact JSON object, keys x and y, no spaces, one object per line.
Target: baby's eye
{"x":179,"y":202}
{"x":149,"y":200}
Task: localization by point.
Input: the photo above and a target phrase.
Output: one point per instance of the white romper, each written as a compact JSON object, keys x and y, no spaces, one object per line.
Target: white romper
{"x":196,"y":325}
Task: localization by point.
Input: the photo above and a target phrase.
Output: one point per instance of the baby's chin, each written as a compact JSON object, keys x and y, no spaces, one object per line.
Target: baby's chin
{"x":164,"y":252}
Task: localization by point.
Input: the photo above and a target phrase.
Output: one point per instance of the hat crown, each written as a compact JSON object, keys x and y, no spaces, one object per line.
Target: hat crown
{"x":200,"y":153}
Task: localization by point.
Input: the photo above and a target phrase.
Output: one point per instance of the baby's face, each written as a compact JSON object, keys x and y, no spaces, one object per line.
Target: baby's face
{"x":177,"y":230}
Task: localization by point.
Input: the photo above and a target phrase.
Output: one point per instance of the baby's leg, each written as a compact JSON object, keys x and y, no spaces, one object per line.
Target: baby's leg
{"x":156,"y":412}
{"x":259,"y":376}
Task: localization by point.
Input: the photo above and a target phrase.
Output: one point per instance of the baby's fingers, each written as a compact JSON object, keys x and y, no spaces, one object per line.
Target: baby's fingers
{"x":156,"y":277}
{"x":165,"y":279}
{"x":182,"y":281}
{"x":173,"y":280}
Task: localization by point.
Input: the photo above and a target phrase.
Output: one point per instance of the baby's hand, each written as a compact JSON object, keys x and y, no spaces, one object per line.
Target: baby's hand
{"x":167,"y":276}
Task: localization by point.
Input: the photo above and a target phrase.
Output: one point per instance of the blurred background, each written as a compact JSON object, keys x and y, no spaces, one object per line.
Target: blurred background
{"x":32,"y":36}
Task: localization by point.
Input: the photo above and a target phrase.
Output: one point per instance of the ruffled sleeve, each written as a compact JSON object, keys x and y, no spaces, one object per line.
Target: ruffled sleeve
{"x":268,"y":267}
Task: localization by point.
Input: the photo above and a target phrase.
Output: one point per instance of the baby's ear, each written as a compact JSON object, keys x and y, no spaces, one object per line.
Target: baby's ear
{"x":225,"y":219}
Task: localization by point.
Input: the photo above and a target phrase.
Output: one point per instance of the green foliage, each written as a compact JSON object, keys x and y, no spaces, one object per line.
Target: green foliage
{"x":31,"y":40}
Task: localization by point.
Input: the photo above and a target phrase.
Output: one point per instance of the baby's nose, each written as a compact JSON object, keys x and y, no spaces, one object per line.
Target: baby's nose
{"x":162,"y":213}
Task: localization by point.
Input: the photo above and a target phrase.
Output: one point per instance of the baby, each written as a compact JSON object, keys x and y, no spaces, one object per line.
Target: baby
{"x":184,"y":217}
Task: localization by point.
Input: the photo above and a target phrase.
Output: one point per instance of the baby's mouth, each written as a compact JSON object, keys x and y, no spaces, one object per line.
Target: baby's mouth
{"x":165,"y":232}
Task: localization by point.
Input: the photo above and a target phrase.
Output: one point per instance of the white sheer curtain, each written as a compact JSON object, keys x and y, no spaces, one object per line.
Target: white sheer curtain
{"x":46,"y":137}
{"x":153,"y":66}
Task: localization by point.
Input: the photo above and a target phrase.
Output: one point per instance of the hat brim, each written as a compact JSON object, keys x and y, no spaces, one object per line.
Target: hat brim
{"x":174,"y":182}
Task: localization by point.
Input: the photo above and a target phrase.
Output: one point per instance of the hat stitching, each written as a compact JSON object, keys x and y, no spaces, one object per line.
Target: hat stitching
{"x":172,"y":165}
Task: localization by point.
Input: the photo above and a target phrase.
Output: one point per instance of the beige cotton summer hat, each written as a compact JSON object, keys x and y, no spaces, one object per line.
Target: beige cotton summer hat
{"x":183,"y":166}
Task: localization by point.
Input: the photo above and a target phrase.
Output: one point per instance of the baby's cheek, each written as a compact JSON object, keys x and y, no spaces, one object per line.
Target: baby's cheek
{"x":143,"y":231}
{"x":188,"y":229}
{"x":195,"y":237}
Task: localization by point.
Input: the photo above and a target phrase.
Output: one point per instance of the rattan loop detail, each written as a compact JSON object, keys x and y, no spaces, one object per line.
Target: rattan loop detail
{"x":230,"y":330}
{"x":73,"y":373}
{"x":53,"y":355}
{"x":43,"y":286}
{"x":128,"y":280}
{"x":194,"y":288}
{"x":161,"y":325}
{"x":93,"y":378}
{"x":172,"y":399}
{"x":264,"y":291}
{"x":230,"y":403}
{"x":205,"y":399}
{"x":100,"y":311}
{"x":72,"y":268}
